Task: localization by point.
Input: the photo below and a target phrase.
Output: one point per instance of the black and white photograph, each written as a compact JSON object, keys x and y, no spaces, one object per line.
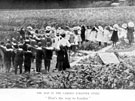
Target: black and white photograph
{"x":67,"y":44}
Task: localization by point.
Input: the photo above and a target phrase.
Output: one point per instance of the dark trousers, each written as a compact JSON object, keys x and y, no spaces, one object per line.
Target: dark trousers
{"x":16,"y":67}
{"x":130,"y":41}
{"x":60,"y":65}
{"x":47,"y":63}
{"x":38,"y":65}
{"x":73,"y":48}
{"x":27,"y":67}
{"x":8,"y":66}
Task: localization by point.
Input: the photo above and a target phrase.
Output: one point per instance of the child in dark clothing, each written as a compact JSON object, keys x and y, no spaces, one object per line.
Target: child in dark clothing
{"x":114,"y":37}
{"x":28,"y":59}
{"x":48,"y":52}
{"x":39,"y":56}
{"x":15,"y":46}
{"x":18,"y":61}
{"x":25,"y":45}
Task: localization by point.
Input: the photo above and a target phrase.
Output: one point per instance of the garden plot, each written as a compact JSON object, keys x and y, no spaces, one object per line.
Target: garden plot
{"x":92,"y":74}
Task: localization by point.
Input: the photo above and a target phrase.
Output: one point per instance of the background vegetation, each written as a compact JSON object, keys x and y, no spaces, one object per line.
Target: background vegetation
{"x":12,"y":19}
{"x":57,"y":4}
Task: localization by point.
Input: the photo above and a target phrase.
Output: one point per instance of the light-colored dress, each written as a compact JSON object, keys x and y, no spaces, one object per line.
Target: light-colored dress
{"x":122,"y":33}
{"x":93,"y":36}
{"x":87,"y":34}
{"x":100,"y":36}
{"x":55,"y":43}
{"x":68,"y":34}
{"x":106,"y":37}
{"x":76,"y":40}
{"x":79,"y":36}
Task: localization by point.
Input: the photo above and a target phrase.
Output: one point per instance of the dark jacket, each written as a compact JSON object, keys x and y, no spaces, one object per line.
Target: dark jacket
{"x":39,"y":54}
{"x":48,"y":53}
{"x":19,"y":56}
{"x":28,"y":57}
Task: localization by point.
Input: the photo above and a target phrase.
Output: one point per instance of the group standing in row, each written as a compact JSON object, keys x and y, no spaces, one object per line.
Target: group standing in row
{"x":33,"y":46}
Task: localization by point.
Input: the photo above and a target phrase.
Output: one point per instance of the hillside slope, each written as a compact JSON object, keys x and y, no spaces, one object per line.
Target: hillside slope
{"x":88,"y":16}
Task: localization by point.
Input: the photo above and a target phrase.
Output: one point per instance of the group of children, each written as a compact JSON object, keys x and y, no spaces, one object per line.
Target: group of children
{"x":33,"y":46}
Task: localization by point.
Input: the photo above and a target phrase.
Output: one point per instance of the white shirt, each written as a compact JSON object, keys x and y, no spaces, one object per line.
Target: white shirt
{"x":76,"y":40}
{"x":100,"y":35}
{"x":106,"y":36}
{"x":56,"y":40}
{"x":87,"y":34}
{"x":9,"y":49}
{"x":67,"y":35}
{"x":63,"y":42}
{"x":122,"y":33}
{"x":49,"y":48}
{"x":93,"y":36}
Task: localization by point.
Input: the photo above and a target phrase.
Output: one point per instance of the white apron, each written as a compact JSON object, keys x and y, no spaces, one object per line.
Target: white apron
{"x":106,"y":36}
{"x":100,"y":36}
{"x":93,"y":36}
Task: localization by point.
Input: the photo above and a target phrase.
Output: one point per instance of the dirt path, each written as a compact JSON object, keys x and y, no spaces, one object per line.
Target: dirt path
{"x":90,"y":53}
